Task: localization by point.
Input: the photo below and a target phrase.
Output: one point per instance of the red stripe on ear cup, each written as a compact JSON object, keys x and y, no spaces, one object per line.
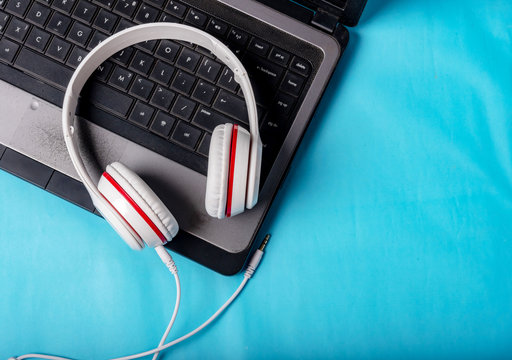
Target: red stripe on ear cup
{"x":232,"y":156}
{"x":137,"y":208}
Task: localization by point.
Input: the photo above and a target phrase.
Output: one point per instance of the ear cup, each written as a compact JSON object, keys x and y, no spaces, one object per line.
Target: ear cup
{"x":226,"y":184}
{"x":138,"y":205}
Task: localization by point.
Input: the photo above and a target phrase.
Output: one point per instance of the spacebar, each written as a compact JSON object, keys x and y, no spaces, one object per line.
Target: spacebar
{"x":43,"y":68}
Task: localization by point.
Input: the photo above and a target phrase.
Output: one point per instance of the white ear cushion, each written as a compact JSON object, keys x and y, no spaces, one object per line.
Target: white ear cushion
{"x":218,"y":171}
{"x":148,"y":201}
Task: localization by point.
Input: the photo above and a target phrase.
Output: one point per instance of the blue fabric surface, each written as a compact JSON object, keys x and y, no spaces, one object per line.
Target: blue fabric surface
{"x":392,"y":234}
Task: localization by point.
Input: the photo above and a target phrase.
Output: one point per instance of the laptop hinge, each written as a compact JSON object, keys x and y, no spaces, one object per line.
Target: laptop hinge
{"x":325,"y":21}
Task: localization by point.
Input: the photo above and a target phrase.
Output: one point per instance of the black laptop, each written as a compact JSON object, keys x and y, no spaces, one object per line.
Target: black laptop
{"x":153,"y":106}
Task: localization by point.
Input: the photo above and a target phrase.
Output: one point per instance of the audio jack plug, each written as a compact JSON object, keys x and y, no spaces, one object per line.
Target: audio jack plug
{"x":256,"y":258}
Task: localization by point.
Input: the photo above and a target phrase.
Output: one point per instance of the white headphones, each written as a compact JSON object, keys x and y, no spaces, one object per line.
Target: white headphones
{"x":121,"y":196}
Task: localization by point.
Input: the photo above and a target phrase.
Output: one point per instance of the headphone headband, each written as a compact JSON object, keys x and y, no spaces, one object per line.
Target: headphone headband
{"x":148,"y":32}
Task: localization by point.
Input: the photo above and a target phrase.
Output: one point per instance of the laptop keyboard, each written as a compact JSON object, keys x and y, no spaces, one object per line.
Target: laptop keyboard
{"x":165,"y":95}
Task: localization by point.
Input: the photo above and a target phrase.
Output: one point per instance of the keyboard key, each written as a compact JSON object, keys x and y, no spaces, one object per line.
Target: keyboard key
{"x":79,"y":33}
{"x":204,"y":92}
{"x":105,"y":3}
{"x":301,"y":66}
{"x":188,"y":59}
{"x":17,"y":7}
{"x":209,"y":119}
{"x":162,"y":124}
{"x":292,"y":84}
{"x":63,"y":5}
{"x":105,"y":21}
{"x":58,"y":23}
{"x":209,"y":69}
{"x":141,"y":62}
{"x":120,"y":78}
{"x":204,"y":147}
{"x":107,"y":98}
{"x":97,"y":37}
{"x":85,"y":11}
{"x":126,"y":7}
{"x":196,"y":18}
{"x":176,"y":8}
{"x":123,"y":56}
{"x":162,"y":98}
{"x":183,"y":107}
{"x":7,"y":50}
{"x":162,"y":72}
{"x":266,"y":74}
{"x":237,"y":37}
{"x":217,"y":28}
{"x":227,"y":79}
{"x":231,"y":105}
{"x":76,"y":57}
{"x":3,"y":20}
{"x":141,"y":88}
{"x":102,"y":71}
{"x":43,"y":68}
{"x":167,"y":50}
{"x":17,"y":29}
{"x":124,"y":24}
{"x":164,"y":17}
{"x":259,"y":47}
{"x":158,"y":3}
{"x":37,"y":39}
{"x":283,"y":104}
{"x":279,"y":56}
{"x":186,"y":135}
{"x":146,"y":14}
{"x":147,"y":45}
{"x":183,"y":82}
{"x":141,"y":114}
{"x":58,"y":49}
{"x":38,"y":14}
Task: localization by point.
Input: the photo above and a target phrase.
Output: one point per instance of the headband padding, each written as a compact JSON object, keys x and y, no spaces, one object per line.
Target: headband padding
{"x":218,"y":171}
{"x":147,"y":200}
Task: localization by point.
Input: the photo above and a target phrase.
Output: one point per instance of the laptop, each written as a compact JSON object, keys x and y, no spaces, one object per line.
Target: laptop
{"x":153,"y":106}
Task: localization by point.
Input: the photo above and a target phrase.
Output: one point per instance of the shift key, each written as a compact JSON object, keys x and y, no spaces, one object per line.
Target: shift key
{"x":43,"y":68}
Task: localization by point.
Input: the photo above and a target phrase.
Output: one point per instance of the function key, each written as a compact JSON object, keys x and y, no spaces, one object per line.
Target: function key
{"x":176,"y":8}
{"x":279,"y":56}
{"x":237,"y":37}
{"x":217,"y":28}
{"x":162,"y":124}
{"x":17,"y":7}
{"x":63,"y":5}
{"x":85,"y":11}
{"x":126,"y":7}
{"x":186,"y":135}
{"x":292,"y":84}
{"x":259,"y":47}
{"x":300,"y":66}
{"x":196,"y":18}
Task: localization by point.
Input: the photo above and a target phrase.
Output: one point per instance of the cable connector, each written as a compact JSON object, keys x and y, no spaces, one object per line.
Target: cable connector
{"x":256,"y":258}
{"x":166,"y":259}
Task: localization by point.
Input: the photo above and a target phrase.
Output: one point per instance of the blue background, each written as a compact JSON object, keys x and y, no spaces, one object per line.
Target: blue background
{"x":392,"y":235}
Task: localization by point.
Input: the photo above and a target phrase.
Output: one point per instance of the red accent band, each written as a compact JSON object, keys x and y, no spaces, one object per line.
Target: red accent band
{"x":126,"y":221}
{"x":135,"y":206}
{"x":232,"y":156}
